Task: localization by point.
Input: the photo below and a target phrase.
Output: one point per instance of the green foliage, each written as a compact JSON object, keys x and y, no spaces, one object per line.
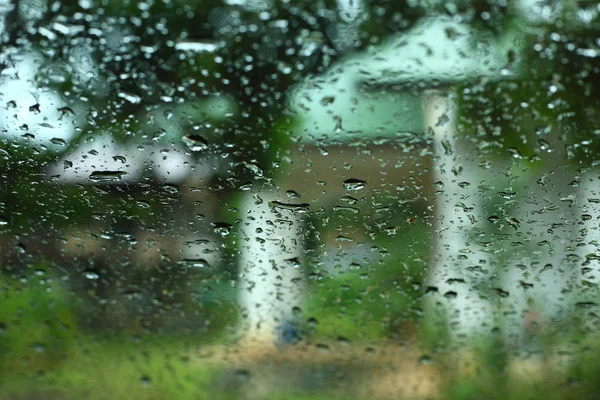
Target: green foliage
{"x":37,"y":320}
{"x":123,"y":368}
{"x":372,"y":299}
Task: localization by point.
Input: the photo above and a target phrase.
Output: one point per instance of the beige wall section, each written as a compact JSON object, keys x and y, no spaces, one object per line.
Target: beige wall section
{"x":401,"y":167}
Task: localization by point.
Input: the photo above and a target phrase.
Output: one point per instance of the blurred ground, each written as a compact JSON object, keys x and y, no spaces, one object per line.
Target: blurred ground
{"x":172,"y":368}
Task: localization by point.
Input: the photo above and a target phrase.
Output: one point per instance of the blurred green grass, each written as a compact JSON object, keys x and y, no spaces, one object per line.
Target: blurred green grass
{"x":115,"y":369}
{"x":46,"y":353}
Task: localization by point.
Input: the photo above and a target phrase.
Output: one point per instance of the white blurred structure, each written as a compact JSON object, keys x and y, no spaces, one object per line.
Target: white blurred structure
{"x":98,"y":154}
{"x":588,"y":252}
{"x":271,"y":275}
{"x":543,"y":275}
{"x":160,"y":151}
{"x":97,"y":157}
{"x":458,"y":260}
{"x":557,"y":268}
{"x":271,"y":246}
{"x":31,"y":111}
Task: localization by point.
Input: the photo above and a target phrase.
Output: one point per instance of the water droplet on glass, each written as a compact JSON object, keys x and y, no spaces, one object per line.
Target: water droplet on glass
{"x":443,"y":120}
{"x":322,"y":347}
{"x":544,"y":145}
{"x":293,"y":262}
{"x":106,"y":176}
{"x":145,"y":381}
{"x":159,"y":134}
{"x":354,"y":184}
{"x":254,"y":168}
{"x":65,"y":111}
{"x":298,"y":208}
{"x":513,"y":222}
{"x":222,"y":228}
{"x":168,"y":114}
{"x":425,"y":360}
{"x":21,"y":249}
{"x":35,"y":108}
{"x":170,"y":189}
{"x":39,"y":347}
{"x":242,"y":374}
{"x":92,"y":275}
{"x":508,"y":194}
{"x":585,"y":304}
{"x":195,"y":142}
{"x":194,"y":263}
{"x":343,"y":341}
{"x":352,"y":210}
{"x":292,"y":194}
{"x":493,"y":219}
{"x":130,"y":97}
{"x":327,"y":100}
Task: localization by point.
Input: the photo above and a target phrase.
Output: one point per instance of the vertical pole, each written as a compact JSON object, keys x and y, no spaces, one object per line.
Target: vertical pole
{"x":543,"y":272}
{"x":270,"y":265}
{"x":589,"y":248}
{"x":458,"y":262}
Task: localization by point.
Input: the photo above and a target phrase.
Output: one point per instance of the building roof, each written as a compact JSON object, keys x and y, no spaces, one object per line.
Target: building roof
{"x":377,"y":92}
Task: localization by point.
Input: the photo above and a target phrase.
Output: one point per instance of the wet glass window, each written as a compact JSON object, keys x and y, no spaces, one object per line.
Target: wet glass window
{"x":299,"y":199}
